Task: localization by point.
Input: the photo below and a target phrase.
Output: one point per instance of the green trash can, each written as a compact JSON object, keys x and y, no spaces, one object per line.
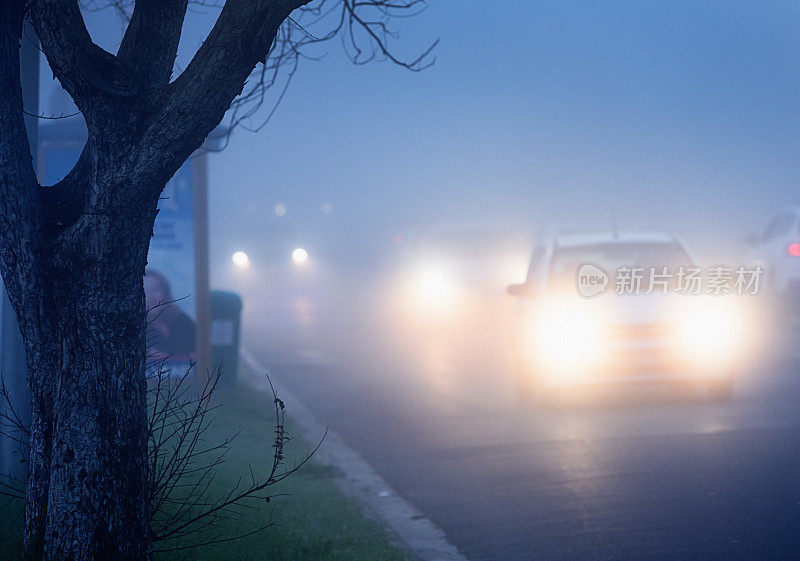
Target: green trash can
{"x":226,"y":321}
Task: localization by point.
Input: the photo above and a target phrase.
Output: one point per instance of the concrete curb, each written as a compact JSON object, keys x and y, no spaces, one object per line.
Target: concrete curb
{"x":361,"y":482}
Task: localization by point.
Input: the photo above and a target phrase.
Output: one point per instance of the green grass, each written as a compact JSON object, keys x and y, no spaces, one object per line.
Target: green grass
{"x":313,"y":522}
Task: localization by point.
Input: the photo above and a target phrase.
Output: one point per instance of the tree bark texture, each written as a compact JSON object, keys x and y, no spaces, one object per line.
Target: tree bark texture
{"x":72,"y":255}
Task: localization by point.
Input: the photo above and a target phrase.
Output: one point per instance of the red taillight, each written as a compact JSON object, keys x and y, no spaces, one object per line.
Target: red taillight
{"x":794,"y":249}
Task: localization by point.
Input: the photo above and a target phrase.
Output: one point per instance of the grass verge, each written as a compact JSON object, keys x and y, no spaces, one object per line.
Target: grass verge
{"x":313,"y":521}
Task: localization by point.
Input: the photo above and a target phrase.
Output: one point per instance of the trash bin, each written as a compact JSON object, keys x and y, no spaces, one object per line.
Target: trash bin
{"x":226,"y":314}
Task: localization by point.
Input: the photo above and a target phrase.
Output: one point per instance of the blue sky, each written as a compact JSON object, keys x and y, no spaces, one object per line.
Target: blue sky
{"x":536,"y":115}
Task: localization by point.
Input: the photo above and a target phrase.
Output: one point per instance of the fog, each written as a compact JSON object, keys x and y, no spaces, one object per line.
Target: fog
{"x":534,"y":119}
{"x":418,"y":199}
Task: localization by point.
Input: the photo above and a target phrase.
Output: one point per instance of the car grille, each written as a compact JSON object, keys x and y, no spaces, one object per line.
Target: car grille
{"x":643,"y":331}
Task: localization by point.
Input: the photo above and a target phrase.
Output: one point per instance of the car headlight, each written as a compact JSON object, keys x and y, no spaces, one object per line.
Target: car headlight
{"x":432,"y":292}
{"x":570,"y":339}
{"x":432,"y":286}
{"x":713,"y":331}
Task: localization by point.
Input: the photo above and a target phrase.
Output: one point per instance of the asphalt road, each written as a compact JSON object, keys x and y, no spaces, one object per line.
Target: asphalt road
{"x":641,"y":476}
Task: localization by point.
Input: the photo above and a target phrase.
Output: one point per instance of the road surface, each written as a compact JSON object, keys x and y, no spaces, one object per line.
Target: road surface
{"x":643,"y":476}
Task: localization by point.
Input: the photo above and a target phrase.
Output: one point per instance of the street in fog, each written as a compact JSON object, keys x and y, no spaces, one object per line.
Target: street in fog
{"x":644,"y":474}
{"x":536,"y":263}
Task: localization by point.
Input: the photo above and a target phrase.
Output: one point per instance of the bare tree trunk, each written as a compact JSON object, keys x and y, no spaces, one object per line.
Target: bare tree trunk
{"x":96,"y":501}
{"x":87,"y":495}
{"x":72,"y":255}
{"x":39,"y":456}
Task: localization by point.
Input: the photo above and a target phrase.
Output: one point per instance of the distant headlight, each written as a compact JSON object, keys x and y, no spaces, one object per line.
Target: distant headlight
{"x":432,"y":285}
{"x":299,"y":256}
{"x":433,"y":291}
{"x":241,"y":260}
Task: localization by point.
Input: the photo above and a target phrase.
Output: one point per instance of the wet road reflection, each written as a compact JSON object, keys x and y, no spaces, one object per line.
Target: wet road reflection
{"x":646,"y":474}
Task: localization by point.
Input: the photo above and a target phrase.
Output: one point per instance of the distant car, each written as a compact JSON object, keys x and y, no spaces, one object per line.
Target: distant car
{"x":777,"y":249}
{"x":566,"y":340}
{"x":447,"y":271}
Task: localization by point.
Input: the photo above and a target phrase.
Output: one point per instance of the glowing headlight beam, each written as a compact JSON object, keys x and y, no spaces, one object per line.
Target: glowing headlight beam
{"x":569,"y":340}
{"x":432,"y":291}
{"x":713,"y":331}
{"x":241,"y":260}
{"x":433,"y":285}
{"x":299,"y":256}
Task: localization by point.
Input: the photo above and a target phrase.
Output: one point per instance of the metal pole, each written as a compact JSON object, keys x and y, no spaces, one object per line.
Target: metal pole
{"x":203,"y":306}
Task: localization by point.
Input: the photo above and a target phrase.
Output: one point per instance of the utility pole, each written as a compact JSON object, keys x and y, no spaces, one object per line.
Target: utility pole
{"x":12,"y":353}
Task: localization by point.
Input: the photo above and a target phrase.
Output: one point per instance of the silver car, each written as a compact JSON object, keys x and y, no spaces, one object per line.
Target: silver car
{"x":607,"y":309}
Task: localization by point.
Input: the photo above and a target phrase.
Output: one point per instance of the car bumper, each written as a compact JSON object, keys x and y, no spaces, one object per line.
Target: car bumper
{"x":638,"y":365}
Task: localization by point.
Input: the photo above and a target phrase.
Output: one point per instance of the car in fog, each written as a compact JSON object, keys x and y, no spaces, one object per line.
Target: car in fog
{"x":777,"y":249}
{"x":588,"y":317}
{"x":448,"y":272}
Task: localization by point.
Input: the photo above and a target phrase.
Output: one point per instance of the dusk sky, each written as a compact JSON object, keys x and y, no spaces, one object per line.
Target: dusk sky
{"x":536,"y":116}
{"x":385,"y":283}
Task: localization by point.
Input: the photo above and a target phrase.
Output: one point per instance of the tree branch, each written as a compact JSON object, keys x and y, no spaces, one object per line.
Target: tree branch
{"x":150,"y":44}
{"x":222,"y":77}
{"x":86,"y":71}
{"x":19,"y":211}
{"x":199,"y":98}
{"x":62,"y":31}
{"x":364,"y":28}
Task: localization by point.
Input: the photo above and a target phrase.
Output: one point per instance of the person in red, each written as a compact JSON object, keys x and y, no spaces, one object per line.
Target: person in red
{"x":170,"y":332}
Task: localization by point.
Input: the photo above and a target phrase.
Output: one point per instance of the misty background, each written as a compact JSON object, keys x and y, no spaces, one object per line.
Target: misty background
{"x":535,"y":117}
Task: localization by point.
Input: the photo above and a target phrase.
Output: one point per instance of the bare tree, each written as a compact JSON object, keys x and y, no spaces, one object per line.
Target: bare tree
{"x":72,"y":255}
{"x":187,"y":509}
